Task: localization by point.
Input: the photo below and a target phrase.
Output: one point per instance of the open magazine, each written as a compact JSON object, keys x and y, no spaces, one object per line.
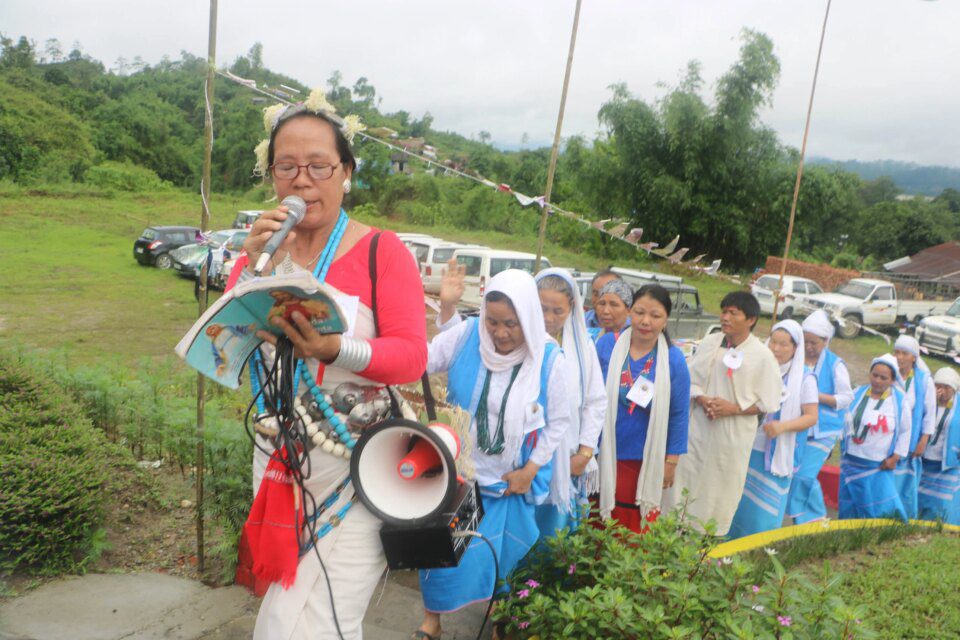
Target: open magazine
{"x":220,"y":342}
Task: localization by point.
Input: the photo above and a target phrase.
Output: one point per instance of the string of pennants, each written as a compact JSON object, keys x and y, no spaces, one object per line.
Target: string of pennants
{"x":617,"y":229}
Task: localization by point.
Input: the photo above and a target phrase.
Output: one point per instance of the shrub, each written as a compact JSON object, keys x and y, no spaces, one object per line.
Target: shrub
{"x":124,"y":176}
{"x":611,"y":583}
{"x":53,"y":466}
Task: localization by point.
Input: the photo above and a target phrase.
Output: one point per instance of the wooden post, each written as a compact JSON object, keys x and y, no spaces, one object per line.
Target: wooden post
{"x":205,"y":226}
{"x":803,"y":152}
{"x":556,"y":140}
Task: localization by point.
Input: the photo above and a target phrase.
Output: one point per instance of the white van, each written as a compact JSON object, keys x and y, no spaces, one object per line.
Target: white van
{"x":432,"y":266}
{"x":483,"y":264}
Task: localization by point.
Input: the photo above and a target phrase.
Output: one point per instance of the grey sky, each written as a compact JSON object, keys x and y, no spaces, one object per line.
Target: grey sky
{"x":887,"y":86}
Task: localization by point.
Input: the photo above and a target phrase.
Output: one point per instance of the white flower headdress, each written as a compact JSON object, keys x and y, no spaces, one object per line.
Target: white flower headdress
{"x":316,"y":102}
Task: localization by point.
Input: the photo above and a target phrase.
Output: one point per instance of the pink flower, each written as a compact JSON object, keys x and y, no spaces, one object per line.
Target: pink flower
{"x":523,"y":593}
{"x":755,"y":588}
{"x":858,"y":621}
{"x":784,"y":621}
{"x":533,"y":584}
{"x":572,"y":569}
{"x":524,"y":624}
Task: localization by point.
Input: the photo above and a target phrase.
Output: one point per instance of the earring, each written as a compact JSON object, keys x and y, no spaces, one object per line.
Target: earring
{"x":346,"y":186}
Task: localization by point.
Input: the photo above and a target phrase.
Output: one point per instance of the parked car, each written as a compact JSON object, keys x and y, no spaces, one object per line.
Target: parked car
{"x":154,"y":245}
{"x":871,"y":303}
{"x":483,"y":264}
{"x":637,"y":279}
{"x":245,"y":219}
{"x":188,"y":259}
{"x":940,"y":334}
{"x":792,"y":296}
{"x":431,"y":268}
{"x":688,"y":320}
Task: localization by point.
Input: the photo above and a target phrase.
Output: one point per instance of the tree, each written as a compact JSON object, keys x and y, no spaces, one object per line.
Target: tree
{"x":679,"y":167}
{"x":53,"y":50}
{"x":883,"y":189}
{"x":484,"y":137}
{"x":364,"y":92}
{"x":21,"y":55}
{"x":421,"y":128}
{"x":120,"y":66}
{"x":255,"y":56}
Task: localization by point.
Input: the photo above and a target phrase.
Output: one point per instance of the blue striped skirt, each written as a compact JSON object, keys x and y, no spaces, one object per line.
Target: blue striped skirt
{"x":937,"y":495}
{"x":866,"y":491}
{"x":764,"y":501}
{"x":805,"y":503}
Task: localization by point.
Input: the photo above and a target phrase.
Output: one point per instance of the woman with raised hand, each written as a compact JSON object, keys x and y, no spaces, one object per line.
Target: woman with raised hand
{"x":805,"y":502}
{"x":874,"y":440}
{"x":511,"y":378}
{"x":648,"y":409}
{"x":575,"y":472}
{"x":308,"y":154}
{"x":613,"y":308}
{"x":780,"y":437}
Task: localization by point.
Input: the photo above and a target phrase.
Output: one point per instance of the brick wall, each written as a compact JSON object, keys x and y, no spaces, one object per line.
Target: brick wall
{"x":826,"y":276}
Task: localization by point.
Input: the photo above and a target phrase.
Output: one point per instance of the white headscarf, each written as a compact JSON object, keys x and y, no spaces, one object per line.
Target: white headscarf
{"x":911,"y":346}
{"x":581,"y":361}
{"x":891,"y":361}
{"x":947,"y":376}
{"x":818,"y":323}
{"x":520,"y":288}
{"x":782,"y":463}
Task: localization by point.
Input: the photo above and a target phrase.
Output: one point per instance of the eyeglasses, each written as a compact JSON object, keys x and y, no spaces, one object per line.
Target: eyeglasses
{"x":290,"y":171}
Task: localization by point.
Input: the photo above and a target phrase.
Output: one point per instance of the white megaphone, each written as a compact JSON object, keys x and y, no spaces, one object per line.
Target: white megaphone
{"x":405,"y":472}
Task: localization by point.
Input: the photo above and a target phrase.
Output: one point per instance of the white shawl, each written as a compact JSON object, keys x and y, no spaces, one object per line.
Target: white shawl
{"x":581,"y":370}
{"x":650,"y":483}
{"x":782,"y":463}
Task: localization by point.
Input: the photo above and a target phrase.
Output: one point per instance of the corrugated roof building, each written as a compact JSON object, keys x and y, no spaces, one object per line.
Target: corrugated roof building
{"x":940,"y":263}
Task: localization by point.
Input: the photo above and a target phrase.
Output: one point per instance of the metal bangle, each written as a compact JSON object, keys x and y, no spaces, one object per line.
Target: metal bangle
{"x":354,"y":354}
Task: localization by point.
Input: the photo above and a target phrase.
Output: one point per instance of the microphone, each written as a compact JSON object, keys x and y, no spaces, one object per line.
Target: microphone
{"x":296,"y":209}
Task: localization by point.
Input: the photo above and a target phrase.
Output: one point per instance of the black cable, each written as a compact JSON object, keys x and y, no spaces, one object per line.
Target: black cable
{"x":496,"y":575}
{"x":278,"y":397}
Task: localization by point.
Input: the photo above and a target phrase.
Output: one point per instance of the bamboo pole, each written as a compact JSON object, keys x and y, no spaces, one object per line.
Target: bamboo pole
{"x":803,"y":152}
{"x":556,"y":140}
{"x":204,"y":226}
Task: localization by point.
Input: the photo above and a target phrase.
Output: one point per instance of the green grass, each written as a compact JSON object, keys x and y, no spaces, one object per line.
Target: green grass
{"x":911,"y":586}
{"x":71,"y":281}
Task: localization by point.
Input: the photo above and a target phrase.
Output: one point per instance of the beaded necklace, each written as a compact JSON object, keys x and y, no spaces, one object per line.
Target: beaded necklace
{"x":485,"y":444}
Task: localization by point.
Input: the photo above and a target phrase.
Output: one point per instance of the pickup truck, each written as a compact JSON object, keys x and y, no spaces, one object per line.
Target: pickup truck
{"x":866,"y":302}
{"x":941,"y":334}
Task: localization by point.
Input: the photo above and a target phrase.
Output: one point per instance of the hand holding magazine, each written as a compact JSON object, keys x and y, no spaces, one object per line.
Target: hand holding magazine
{"x":220,"y":342}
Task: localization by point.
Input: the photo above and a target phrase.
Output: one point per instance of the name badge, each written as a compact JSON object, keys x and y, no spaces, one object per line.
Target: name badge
{"x":641,"y":393}
{"x":732,"y":359}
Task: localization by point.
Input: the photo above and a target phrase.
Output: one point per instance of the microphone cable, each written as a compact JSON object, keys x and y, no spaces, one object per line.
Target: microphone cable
{"x":496,"y":573}
{"x":278,"y":399}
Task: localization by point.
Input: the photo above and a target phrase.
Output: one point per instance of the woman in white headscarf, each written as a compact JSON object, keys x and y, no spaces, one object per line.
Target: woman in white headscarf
{"x":805,"y":503}
{"x":504,"y":371}
{"x":575,"y":469}
{"x":940,"y":480}
{"x":763,"y":505}
{"x":920,"y":394}
{"x":874,"y":440}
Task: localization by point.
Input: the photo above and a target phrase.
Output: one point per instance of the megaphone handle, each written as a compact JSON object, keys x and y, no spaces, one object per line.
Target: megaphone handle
{"x":428,"y":400}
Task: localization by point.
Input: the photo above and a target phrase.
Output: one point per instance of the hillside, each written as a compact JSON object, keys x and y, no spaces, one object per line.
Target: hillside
{"x":910,"y":177}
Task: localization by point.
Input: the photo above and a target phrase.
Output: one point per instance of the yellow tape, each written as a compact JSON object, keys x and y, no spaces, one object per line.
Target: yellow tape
{"x":768,"y":538}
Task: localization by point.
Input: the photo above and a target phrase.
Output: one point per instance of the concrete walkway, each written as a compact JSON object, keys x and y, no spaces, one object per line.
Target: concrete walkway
{"x":157,"y":606}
